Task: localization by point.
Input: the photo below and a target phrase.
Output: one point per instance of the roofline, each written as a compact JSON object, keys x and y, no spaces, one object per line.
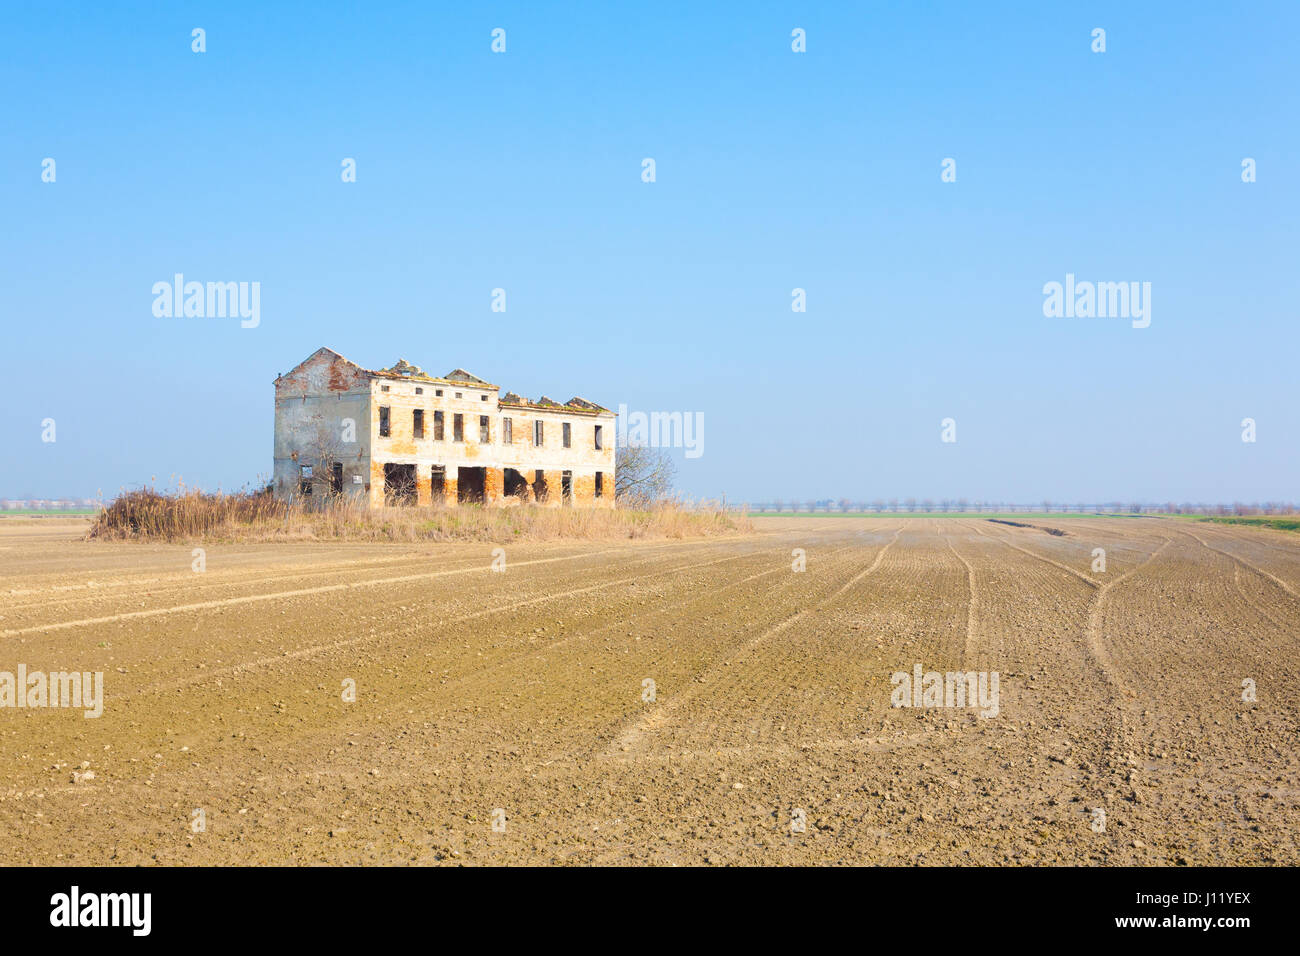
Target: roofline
{"x":560,"y":409}
{"x":460,"y":383}
{"x":398,"y":377}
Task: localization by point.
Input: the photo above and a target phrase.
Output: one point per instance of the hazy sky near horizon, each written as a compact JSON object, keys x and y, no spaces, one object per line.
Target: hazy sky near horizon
{"x":775,"y":170}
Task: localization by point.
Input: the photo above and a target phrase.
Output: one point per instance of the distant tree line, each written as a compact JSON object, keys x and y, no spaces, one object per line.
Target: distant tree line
{"x":948,"y":505}
{"x":49,"y":504}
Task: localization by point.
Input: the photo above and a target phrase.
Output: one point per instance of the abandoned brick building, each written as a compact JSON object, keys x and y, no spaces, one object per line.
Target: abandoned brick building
{"x":398,"y":436}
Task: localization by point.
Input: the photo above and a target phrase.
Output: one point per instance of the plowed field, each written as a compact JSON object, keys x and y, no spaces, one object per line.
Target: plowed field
{"x":525,"y":692}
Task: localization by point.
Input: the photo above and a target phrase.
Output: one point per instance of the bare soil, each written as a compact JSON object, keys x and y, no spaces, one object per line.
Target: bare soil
{"x":523,"y":691}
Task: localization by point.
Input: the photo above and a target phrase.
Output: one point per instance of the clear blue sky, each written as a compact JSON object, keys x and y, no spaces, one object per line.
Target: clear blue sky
{"x":775,"y":170}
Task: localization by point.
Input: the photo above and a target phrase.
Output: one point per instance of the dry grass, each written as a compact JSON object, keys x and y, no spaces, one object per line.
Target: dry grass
{"x":193,"y":515}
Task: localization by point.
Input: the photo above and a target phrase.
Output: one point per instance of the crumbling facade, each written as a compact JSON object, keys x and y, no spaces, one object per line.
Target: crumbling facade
{"x":398,"y":436}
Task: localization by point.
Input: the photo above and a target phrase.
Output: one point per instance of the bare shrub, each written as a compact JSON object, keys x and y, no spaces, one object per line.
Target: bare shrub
{"x":150,"y":515}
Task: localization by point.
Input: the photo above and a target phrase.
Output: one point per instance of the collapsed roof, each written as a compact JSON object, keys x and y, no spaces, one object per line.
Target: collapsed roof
{"x":405,"y":371}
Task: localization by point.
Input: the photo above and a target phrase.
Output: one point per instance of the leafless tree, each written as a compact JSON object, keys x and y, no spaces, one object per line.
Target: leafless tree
{"x":323,"y":447}
{"x":643,"y":476}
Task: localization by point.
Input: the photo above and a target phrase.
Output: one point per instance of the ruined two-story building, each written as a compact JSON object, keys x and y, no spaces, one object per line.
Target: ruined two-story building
{"x":399,"y":436}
